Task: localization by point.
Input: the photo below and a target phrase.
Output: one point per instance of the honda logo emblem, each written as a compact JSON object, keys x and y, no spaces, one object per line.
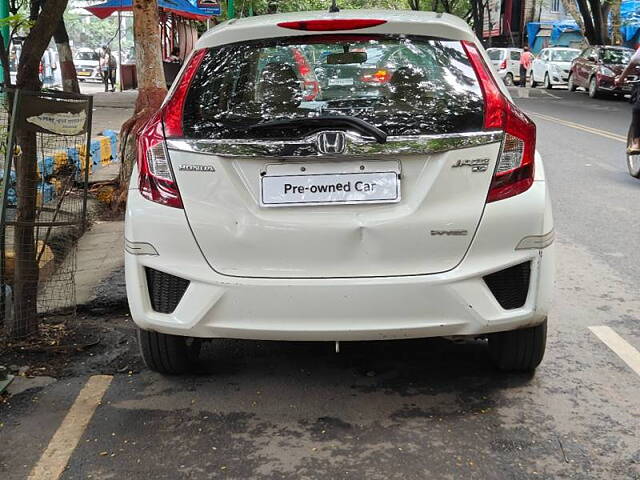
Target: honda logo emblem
{"x":332,"y":142}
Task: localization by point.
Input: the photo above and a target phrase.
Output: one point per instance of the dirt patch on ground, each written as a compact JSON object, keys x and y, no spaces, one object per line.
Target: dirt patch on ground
{"x":104,"y":344}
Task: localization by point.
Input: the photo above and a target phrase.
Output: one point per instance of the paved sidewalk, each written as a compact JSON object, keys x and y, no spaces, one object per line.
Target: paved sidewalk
{"x":110,"y":111}
{"x":100,"y":254}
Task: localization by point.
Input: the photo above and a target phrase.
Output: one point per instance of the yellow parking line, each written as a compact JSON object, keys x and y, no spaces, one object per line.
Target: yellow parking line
{"x":619,"y":345}
{"x":577,"y":126}
{"x":54,"y":459}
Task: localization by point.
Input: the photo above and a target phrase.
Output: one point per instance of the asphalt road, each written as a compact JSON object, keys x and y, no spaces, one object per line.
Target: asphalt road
{"x":425,"y":409}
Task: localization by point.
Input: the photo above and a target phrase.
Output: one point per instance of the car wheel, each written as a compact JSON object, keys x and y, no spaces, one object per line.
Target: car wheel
{"x":571,"y":85}
{"x":533,"y":83}
{"x":169,"y":354}
{"x":593,"y":87}
{"x":547,"y":82}
{"x":633,"y":161}
{"x":518,"y":350}
{"x":508,"y":80}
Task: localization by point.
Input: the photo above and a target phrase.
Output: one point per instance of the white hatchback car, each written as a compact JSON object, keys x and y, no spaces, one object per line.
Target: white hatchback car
{"x":360,"y":175}
{"x":552,"y":66}
{"x":506,"y":61}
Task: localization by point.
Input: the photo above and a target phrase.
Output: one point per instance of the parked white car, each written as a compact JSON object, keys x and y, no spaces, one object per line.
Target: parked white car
{"x":551,"y":67}
{"x":506,"y":61}
{"x":411,"y":204}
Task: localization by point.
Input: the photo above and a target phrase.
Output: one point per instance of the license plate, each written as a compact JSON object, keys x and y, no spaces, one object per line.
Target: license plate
{"x":340,"y":82}
{"x":84,"y":74}
{"x":330,"y":189}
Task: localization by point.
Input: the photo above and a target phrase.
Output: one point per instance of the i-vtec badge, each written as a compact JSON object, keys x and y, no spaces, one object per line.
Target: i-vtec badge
{"x":196,"y":168}
{"x":476,"y":164}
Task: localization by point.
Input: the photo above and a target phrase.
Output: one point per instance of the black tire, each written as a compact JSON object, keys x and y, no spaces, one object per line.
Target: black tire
{"x":518,"y":350}
{"x":168,"y":354}
{"x":547,"y":82}
{"x":633,"y":161}
{"x":508,"y":80}
{"x":593,"y":88}
{"x":571,"y":84}
{"x":533,"y":83}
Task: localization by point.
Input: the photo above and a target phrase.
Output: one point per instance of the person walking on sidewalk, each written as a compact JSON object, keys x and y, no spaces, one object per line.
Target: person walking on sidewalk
{"x":525,"y":64}
{"x":108,"y":66}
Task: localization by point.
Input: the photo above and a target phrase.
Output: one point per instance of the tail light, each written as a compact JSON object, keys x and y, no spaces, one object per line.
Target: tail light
{"x":503,"y":65}
{"x":379,"y":76}
{"x":515,"y":168}
{"x":173,"y":106}
{"x":310,"y":85}
{"x":156,"y":180}
{"x":332,"y":25}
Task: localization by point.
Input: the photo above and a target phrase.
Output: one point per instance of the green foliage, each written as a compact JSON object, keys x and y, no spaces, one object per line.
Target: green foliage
{"x":19,"y":20}
{"x":457,"y":7}
{"x":91,"y":32}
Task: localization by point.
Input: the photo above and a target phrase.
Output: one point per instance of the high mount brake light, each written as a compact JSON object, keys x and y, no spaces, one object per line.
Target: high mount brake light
{"x":173,"y":108}
{"x":332,"y":25}
{"x":156,"y":181}
{"x":515,"y":168}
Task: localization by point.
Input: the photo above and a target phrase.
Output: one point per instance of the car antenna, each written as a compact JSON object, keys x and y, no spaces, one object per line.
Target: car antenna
{"x":334,"y":7}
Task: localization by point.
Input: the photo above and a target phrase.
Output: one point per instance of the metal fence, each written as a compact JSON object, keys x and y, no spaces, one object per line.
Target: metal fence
{"x":43,"y":205}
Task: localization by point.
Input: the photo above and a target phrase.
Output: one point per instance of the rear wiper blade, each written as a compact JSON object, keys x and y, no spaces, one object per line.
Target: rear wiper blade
{"x":326,"y":121}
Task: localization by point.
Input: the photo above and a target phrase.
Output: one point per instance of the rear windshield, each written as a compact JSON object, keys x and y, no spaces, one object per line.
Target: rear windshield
{"x":400,"y":84}
{"x":495,"y":54}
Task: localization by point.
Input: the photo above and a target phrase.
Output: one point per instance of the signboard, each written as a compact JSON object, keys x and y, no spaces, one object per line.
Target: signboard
{"x":492,"y":22}
{"x":210,"y":7}
{"x":50,"y":113}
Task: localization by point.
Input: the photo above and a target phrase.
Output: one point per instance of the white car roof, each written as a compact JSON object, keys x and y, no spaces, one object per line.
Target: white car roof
{"x":397,"y":21}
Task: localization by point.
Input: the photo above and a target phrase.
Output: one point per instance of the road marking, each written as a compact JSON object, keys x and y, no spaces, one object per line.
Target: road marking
{"x":55,"y":458}
{"x":577,"y":126}
{"x":619,"y":345}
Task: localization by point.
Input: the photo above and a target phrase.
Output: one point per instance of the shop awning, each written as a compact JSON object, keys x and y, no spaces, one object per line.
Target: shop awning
{"x":181,"y":8}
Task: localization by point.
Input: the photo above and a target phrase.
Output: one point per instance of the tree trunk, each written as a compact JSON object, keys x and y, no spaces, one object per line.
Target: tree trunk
{"x":589,"y":29}
{"x":477,"y":11}
{"x":151,"y":88}
{"x":25,"y":288}
{"x":571,"y":9}
{"x":616,"y":23}
{"x":67,"y":67}
{"x":600,"y":12}
{"x":415,"y":5}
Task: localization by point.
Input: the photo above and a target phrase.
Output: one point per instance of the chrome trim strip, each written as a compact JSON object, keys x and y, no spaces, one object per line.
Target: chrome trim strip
{"x":356,"y":145}
{"x":537,"y":242}
{"x":139,"y":248}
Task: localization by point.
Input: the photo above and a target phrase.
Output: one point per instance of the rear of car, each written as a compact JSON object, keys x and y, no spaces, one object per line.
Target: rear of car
{"x":506,"y":62}
{"x":415,"y":207}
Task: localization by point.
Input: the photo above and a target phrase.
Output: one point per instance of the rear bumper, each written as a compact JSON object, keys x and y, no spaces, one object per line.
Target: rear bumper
{"x":457,"y":302}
